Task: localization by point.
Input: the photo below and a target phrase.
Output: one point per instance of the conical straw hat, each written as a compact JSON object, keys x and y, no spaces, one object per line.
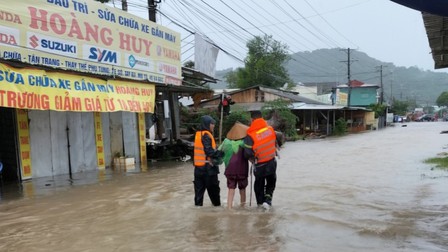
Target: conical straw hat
{"x":238,"y":131}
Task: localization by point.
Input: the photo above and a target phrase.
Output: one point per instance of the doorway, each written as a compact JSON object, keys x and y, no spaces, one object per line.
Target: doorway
{"x":8,"y":146}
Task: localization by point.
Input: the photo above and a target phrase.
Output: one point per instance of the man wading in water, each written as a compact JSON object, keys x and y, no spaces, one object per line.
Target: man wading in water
{"x":206,"y":162}
{"x":261,"y":150}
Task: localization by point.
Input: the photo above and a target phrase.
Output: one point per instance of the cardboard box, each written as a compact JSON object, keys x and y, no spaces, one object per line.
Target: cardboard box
{"x":126,"y":161}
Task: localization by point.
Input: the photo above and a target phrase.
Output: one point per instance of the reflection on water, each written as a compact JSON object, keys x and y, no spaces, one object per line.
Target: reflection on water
{"x":363,"y":192}
{"x":235,"y":230}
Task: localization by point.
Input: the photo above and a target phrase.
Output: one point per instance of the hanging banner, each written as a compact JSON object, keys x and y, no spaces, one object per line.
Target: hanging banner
{"x":42,"y":90}
{"x":341,"y":98}
{"x":24,"y":144}
{"x":99,"y":140}
{"x":142,"y":138}
{"x":88,"y":36}
{"x":205,"y":55}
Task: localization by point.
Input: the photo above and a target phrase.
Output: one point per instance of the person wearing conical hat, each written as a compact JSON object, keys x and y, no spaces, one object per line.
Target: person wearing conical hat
{"x":237,"y":166}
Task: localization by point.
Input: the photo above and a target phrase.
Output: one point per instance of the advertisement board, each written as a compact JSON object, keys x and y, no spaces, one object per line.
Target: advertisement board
{"x":26,"y":88}
{"x":24,"y":144}
{"x":99,"y":140}
{"x":89,"y":36}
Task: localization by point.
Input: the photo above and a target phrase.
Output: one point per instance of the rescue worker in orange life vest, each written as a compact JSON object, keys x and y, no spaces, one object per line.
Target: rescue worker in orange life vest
{"x":206,"y":162}
{"x":261,"y":150}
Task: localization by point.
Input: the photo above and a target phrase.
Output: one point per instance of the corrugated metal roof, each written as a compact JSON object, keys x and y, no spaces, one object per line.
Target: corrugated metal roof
{"x":304,"y":106}
{"x":436,"y":7}
{"x":363,"y":86}
{"x":246,"y":106}
{"x":289,"y":95}
{"x":435,"y":18}
{"x":293,"y":106}
{"x":282,"y":93}
{"x":184,"y":89}
{"x":437,"y":31}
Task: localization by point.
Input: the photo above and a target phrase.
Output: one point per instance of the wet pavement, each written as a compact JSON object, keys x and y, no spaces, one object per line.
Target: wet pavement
{"x":361,"y":192}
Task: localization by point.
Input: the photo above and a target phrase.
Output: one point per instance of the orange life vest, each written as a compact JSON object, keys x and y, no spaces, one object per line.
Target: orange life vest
{"x":264,"y":139}
{"x":199,"y":154}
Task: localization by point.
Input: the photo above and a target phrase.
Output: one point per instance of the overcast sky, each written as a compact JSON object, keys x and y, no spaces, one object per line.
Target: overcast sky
{"x":383,"y":29}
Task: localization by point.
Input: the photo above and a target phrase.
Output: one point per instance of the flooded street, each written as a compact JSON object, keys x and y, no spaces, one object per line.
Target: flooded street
{"x":361,"y":192}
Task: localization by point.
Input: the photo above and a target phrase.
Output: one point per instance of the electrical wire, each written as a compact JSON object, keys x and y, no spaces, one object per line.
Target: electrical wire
{"x":223,"y":27}
{"x":331,"y":26}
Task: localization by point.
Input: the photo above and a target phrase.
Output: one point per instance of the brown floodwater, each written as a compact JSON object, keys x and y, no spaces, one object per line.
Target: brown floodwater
{"x":361,"y":192}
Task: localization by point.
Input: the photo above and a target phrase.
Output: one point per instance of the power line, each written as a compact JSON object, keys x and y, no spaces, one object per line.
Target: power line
{"x":197,"y":12}
{"x":312,"y":25}
{"x":331,"y":26}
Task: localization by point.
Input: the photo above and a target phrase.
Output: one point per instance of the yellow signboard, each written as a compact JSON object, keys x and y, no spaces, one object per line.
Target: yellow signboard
{"x":142,"y":138}
{"x":43,"y":90}
{"x":24,"y":144}
{"x":88,"y":36}
{"x":99,"y":140}
{"x":341,"y":98}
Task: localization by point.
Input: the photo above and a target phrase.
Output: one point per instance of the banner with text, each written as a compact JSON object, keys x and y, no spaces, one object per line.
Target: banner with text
{"x":24,"y":144}
{"x":142,"y":139}
{"x":341,"y":98}
{"x":42,"y":90}
{"x":88,"y":36}
{"x":99,"y":140}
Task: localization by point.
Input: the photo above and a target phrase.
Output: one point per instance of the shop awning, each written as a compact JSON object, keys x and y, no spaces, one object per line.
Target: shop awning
{"x":435,"y":18}
{"x":436,"y":7}
{"x":437,"y":32}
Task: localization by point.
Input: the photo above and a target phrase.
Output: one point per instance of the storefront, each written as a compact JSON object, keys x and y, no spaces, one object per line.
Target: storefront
{"x":56,"y":123}
{"x":76,"y":80}
{"x":8,"y":147}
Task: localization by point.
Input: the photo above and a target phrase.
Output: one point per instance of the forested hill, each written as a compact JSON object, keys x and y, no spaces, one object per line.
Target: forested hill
{"x":330,"y":65}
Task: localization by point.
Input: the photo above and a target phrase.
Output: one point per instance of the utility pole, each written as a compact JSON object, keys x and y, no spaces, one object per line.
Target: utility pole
{"x":391,"y":97}
{"x":381,"y":85}
{"x":124,"y":5}
{"x":152,"y":6}
{"x":348,"y":78}
{"x":349,"y":84}
{"x":391,"y":83}
{"x":221,"y":118}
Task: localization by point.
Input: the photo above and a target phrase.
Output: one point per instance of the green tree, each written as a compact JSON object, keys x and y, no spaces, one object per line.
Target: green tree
{"x":264,"y":65}
{"x":442,"y":100}
{"x":340,"y":127}
{"x":379,"y":109}
{"x":400,"y":107}
{"x":232,"y":78}
{"x":281,"y":117}
{"x":228,"y":122}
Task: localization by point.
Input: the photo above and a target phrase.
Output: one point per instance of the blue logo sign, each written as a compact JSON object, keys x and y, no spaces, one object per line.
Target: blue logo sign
{"x":104,"y":56}
{"x":132,"y":61}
